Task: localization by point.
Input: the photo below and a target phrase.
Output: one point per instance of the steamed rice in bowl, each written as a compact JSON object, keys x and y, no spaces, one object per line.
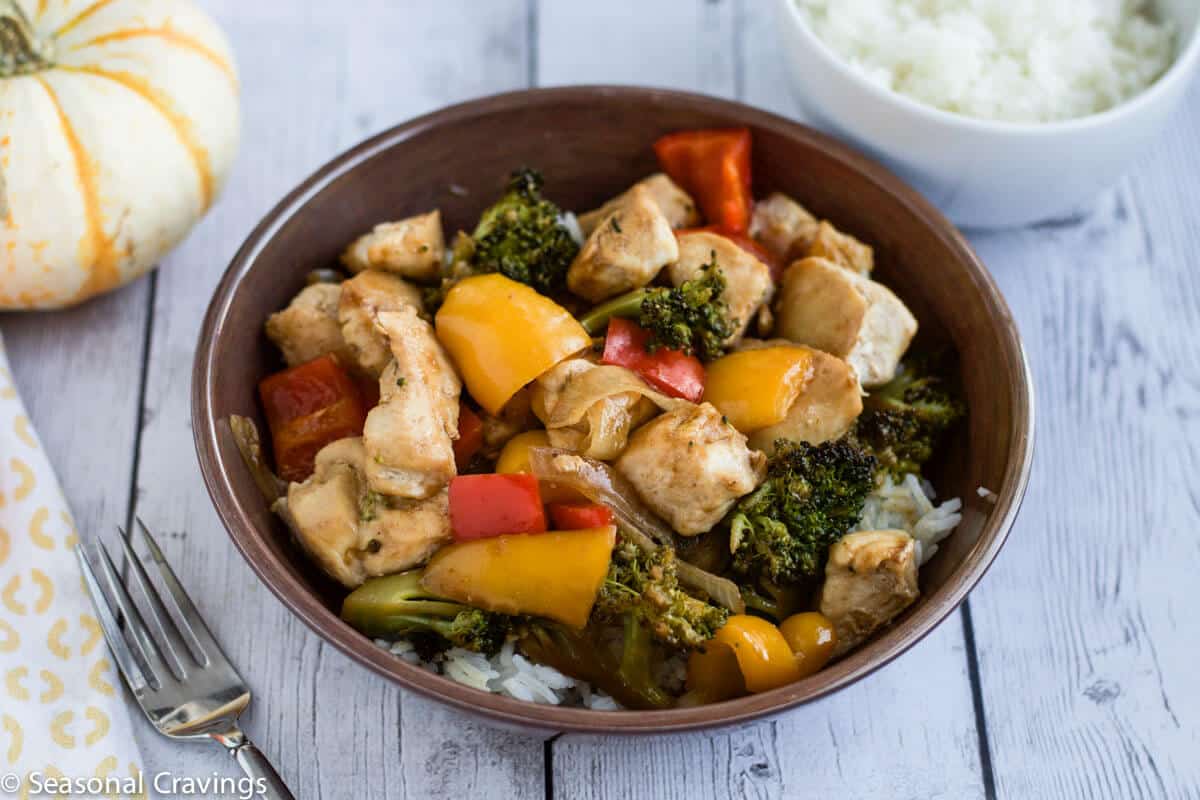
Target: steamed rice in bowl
{"x":1022,"y":61}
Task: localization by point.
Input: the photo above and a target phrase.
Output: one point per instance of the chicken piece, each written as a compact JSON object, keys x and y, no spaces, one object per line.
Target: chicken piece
{"x":413,"y":248}
{"x":690,"y":466}
{"x":675,"y":204}
{"x":363,"y":297}
{"x":871,"y":576}
{"x":782,"y":226}
{"x":591,"y":409}
{"x":308,"y":328}
{"x":626,"y":251}
{"x":825,"y":408}
{"x":410,"y":435}
{"x":854,"y":318}
{"x":353,"y":533}
{"x":748,"y":284}
{"x":842,"y":249}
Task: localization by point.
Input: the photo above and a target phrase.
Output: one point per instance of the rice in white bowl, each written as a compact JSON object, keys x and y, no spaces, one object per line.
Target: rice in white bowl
{"x":1009,"y":60}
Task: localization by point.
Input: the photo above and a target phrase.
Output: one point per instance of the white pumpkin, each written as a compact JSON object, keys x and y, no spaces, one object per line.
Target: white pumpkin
{"x":118,"y":125}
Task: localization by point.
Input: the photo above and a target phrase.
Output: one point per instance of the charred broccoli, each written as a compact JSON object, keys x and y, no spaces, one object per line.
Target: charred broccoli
{"x":692,"y":317}
{"x":902,"y":422}
{"x":812,"y":495}
{"x":522,"y":236}
{"x":643,"y":585}
{"x":396,"y":605}
{"x":586,"y":655}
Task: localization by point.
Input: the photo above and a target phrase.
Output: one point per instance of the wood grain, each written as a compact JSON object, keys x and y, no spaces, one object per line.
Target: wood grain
{"x":1085,"y":640}
{"x":1086,"y":646}
{"x":859,"y":740}
{"x":316,"y":81}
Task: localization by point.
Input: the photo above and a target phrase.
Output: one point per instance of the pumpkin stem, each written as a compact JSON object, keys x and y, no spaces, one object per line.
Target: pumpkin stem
{"x":21,"y":51}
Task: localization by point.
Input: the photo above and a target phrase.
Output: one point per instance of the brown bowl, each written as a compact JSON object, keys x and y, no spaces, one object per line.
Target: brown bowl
{"x":591,"y":143}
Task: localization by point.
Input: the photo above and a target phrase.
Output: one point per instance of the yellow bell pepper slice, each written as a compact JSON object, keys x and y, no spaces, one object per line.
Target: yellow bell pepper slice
{"x":763,"y":655}
{"x":812,"y":638}
{"x":503,"y":334}
{"x":713,"y":674}
{"x":514,"y":458}
{"x":554,"y":575}
{"x":755,"y":388}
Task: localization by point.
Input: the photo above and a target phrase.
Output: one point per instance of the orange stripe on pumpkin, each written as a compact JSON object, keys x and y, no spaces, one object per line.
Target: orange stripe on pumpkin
{"x":170,"y":35}
{"x":96,"y":247}
{"x":70,"y":24}
{"x":179,"y":123}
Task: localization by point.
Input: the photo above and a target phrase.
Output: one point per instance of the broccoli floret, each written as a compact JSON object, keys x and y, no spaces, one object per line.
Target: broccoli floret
{"x":644,"y":585}
{"x":903,"y":421}
{"x":812,"y":495}
{"x":396,"y":606}
{"x":522,"y":236}
{"x":693,"y":317}
{"x":587,"y":656}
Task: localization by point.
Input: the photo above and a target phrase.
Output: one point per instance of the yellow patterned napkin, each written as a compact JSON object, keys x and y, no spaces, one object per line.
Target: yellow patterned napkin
{"x":61,"y":715}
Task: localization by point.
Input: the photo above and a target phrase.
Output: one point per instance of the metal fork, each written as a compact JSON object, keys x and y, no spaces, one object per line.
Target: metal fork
{"x":173,"y":665}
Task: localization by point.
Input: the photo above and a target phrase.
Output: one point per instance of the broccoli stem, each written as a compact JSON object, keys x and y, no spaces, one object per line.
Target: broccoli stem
{"x":627,"y":305}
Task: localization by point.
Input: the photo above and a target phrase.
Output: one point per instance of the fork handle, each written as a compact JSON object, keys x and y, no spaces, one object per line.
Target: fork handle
{"x":255,"y":765}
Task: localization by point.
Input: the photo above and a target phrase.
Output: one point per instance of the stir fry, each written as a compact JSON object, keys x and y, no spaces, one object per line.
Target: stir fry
{"x":659,"y":435}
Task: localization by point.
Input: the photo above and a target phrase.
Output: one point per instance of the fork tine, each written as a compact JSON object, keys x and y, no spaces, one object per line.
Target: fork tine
{"x":206,"y":643}
{"x":159,"y":617}
{"x":126,"y":663}
{"x":142,"y":642}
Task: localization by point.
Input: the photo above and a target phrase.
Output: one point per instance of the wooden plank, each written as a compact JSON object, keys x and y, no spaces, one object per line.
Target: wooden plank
{"x":79,"y":373}
{"x":315,"y":80}
{"x":908,"y":731}
{"x":1086,"y":644}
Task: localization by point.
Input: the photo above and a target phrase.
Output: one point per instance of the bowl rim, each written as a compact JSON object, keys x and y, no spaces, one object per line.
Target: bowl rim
{"x":216,"y":473}
{"x":1180,"y":70}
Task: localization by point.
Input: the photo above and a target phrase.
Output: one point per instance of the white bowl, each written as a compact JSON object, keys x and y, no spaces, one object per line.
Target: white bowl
{"x":983,"y":173}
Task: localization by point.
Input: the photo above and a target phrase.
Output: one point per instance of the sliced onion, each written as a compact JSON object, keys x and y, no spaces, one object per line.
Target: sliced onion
{"x":600,"y":483}
{"x":245,"y":435}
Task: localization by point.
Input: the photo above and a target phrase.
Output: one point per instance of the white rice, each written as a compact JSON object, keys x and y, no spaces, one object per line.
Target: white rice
{"x":1011,"y":60}
{"x":511,"y":674}
{"x":908,"y":506}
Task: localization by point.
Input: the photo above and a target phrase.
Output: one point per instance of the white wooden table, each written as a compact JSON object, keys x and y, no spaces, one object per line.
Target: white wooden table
{"x":1071,"y":673}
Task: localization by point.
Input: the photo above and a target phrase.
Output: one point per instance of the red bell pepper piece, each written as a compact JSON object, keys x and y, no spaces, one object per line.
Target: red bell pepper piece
{"x":714,"y":167}
{"x":577,"y":516}
{"x":746,"y":243}
{"x":482,"y":506}
{"x":307,"y":407}
{"x":470,"y":436}
{"x":670,"y":371}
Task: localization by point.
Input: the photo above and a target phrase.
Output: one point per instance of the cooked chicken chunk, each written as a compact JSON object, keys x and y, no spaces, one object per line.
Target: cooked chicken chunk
{"x":783,"y":226}
{"x":591,"y":409}
{"x":353,"y":533}
{"x":871,"y":576}
{"x":410,"y":435}
{"x":825,"y":408}
{"x":626,"y":251}
{"x":413,"y":248}
{"x":675,"y":204}
{"x":748,"y":283}
{"x":363,"y":297}
{"x":842,"y":249}
{"x":833,"y":309}
{"x":309,"y":327}
{"x":690,"y":466}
